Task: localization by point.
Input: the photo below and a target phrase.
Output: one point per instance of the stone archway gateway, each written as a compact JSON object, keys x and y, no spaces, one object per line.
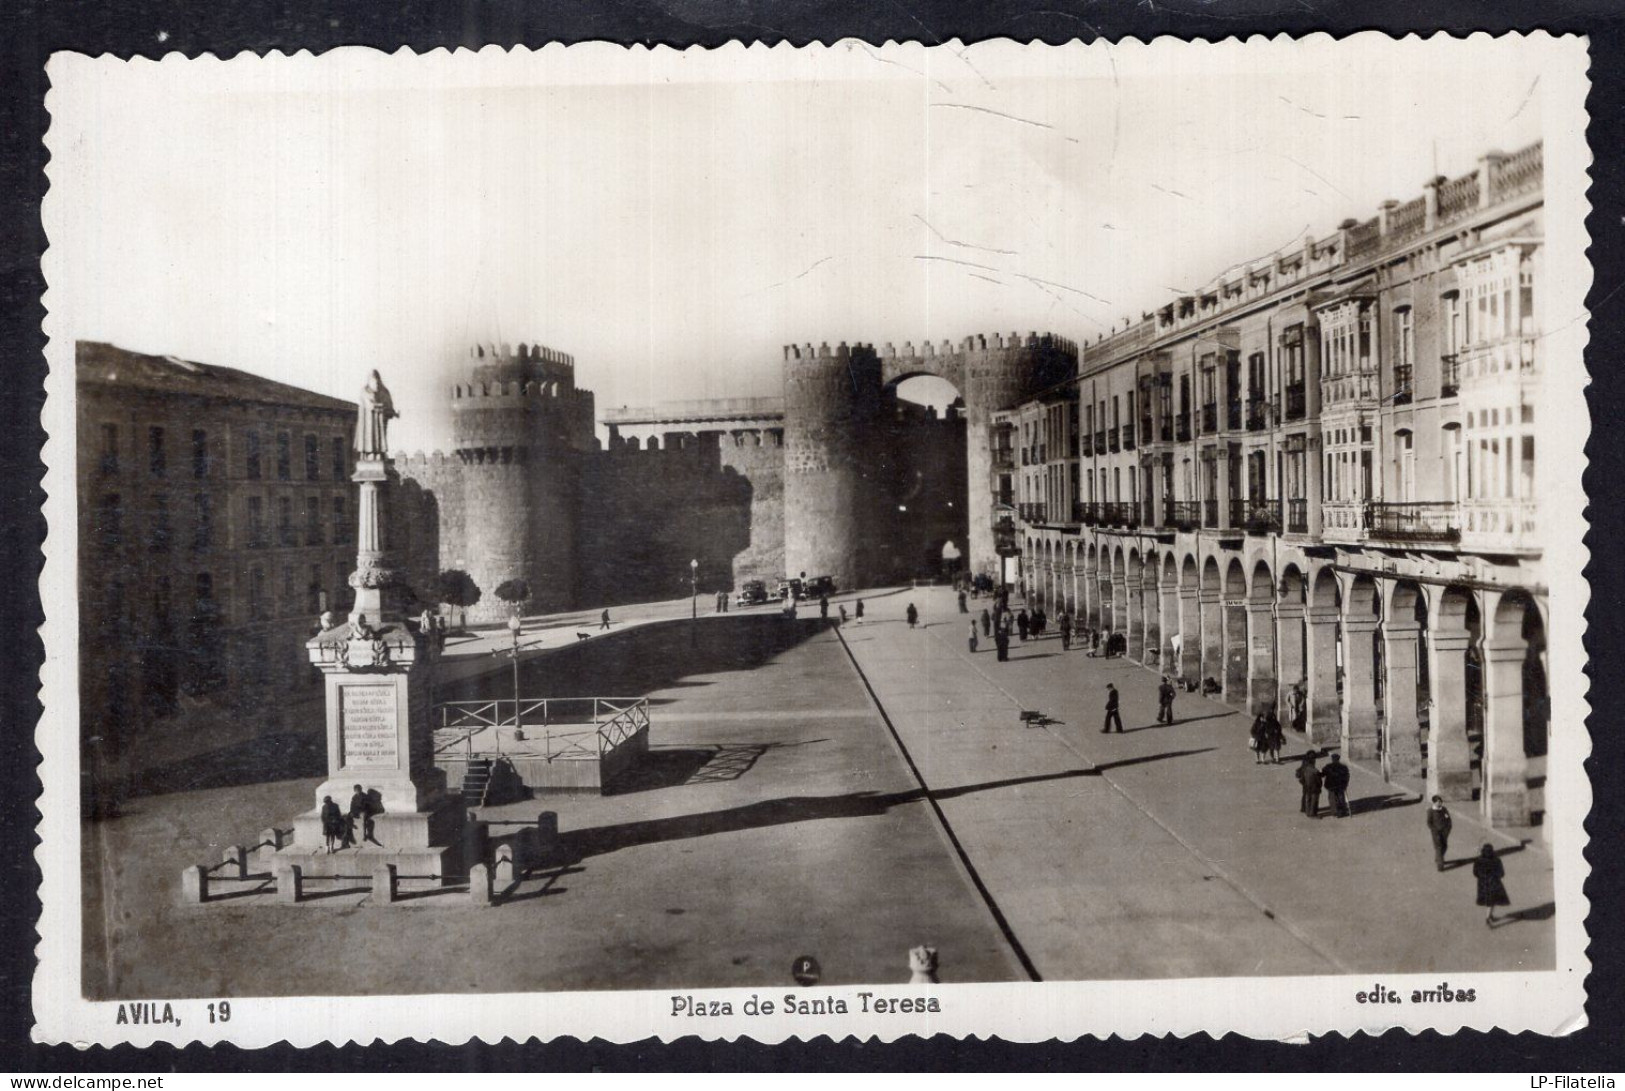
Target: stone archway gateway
{"x":835,"y":523}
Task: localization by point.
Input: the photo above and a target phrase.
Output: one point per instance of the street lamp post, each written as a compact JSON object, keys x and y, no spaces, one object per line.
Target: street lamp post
{"x":514,"y":626}
{"x":694,"y":589}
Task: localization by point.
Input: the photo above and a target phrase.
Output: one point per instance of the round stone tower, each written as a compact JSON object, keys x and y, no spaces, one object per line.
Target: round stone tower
{"x":831,"y":398}
{"x":519,"y":428}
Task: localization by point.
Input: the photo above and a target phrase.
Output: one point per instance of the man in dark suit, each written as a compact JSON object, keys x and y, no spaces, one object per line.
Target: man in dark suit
{"x":1336,"y":778}
{"x":1165,"y":701}
{"x":360,"y":811}
{"x":1309,"y":776}
{"x":1112,"y":716}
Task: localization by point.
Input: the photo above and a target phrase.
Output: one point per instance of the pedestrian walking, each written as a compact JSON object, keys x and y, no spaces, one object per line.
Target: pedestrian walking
{"x":1040,"y":622}
{"x":1297,"y":706}
{"x":1165,"y":701}
{"x":1336,"y":778}
{"x":823,"y":606}
{"x":1064,"y":623}
{"x":987,"y":622}
{"x":913,"y":615}
{"x":1001,"y":643}
{"x":1259,"y":739}
{"x":963,"y":607}
{"x":1274,"y":739}
{"x":843,"y":614}
{"x":1489,"y":871}
{"x":1023,"y":623}
{"x":1439,"y":823}
{"x":603,"y":620}
{"x":859,"y":609}
{"x":332,"y":824}
{"x":973,"y":638}
{"x":1112,"y":716}
{"x":1309,"y":777}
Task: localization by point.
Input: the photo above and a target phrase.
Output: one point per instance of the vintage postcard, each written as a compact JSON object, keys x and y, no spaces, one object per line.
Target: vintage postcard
{"x":995,"y":539}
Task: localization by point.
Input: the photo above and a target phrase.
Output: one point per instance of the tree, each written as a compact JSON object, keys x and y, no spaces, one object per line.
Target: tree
{"x":514,"y":592}
{"x":458,"y":589}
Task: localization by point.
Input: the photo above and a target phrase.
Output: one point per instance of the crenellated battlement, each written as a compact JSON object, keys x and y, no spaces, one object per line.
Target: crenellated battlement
{"x":992,"y":342}
{"x":529,"y":390}
{"x":497,"y":352}
{"x":841,"y":351}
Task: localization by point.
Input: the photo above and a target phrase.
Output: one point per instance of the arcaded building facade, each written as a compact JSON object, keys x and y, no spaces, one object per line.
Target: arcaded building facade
{"x":1312,"y":482}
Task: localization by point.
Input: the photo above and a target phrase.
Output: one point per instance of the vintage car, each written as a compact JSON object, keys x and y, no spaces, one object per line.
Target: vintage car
{"x":753,"y":593}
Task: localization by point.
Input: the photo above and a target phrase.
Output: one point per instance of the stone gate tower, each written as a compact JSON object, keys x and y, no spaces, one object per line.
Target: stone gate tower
{"x":520,"y":430}
{"x":831,"y":512}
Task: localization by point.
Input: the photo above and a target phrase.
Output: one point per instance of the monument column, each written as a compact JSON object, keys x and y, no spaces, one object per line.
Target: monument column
{"x":377,"y":673}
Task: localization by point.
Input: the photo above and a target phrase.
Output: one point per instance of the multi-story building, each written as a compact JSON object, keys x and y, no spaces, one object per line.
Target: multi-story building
{"x":216,"y":522}
{"x":1312,"y":483}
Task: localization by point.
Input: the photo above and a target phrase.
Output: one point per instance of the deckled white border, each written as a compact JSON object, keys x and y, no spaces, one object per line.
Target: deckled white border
{"x":1274,"y":1007}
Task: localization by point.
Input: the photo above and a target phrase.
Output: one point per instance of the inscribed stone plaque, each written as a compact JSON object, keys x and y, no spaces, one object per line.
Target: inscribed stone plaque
{"x":367,"y":725}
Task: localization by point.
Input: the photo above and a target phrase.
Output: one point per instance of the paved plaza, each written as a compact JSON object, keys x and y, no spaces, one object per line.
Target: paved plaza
{"x":782,"y":813}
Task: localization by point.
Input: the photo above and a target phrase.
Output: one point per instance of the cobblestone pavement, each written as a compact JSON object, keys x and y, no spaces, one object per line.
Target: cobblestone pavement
{"x":1165,"y":851}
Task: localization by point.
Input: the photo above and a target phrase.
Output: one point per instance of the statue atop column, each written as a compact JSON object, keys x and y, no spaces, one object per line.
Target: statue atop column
{"x":372,"y":422}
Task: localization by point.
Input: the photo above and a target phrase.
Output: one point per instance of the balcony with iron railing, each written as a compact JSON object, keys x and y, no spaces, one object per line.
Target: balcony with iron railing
{"x":1296,"y":401}
{"x":1128,"y":437}
{"x":1120,"y":514}
{"x":1086,"y":445}
{"x":1414,"y":521}
{"x":1258,"y":414}
{"x":1185,"y":515}
{"x":1297,"y":515}
{"x":1182,"y":429}
{"x":1166,"y":429}
{"x":1148,"y":433}
{"x":1449,"y":375}
{"x":1100,"y":441}
{"x":1004,"y":458}
{"x":1113,"y":441}
{"x":1402,"y":384}
{"x":1232,"y":414}
{"x":1256,"y":516}
{"x":1085,"y":512}
{"x":1210,"y":512}
{"x":1210,"y":417}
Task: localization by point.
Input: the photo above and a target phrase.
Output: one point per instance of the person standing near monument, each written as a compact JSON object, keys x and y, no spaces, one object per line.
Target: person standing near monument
{"x":603,"y":621}
{"x":1022,"y":621}
{"x":360,"y":809}
{"x":1001,"y":642}
{"x":973,"y":638}
{"x":1064,"y":623}
{"x":913,"y":615}
{"x":859,"y":611}
{"x":987,"y":622}
{"x":332,"y":824}
{"x":823,"y":606}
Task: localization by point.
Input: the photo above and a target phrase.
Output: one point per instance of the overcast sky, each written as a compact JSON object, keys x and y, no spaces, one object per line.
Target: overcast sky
{"x":673,"y":219}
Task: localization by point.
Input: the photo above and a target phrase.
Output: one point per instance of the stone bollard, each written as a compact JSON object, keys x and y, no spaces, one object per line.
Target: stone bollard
{"x":290,"y":884}
{"x":195,"y":884}
{"x":236,"y":856}
{"x":475,"y":839}
{"x":547,"y":834}
{"x":383,"y":884}
{"x":479,"y":886}
{"x":505,"y":873}
{"x":527,"y":847}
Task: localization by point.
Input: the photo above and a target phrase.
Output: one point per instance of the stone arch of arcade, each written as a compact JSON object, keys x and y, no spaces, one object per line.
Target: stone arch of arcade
{"x":1435,"y":683}
{"x":918,"y":458}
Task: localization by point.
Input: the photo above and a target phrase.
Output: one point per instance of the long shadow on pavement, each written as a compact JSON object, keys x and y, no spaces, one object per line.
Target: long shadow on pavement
{"x":636,"y":662}
{"x":599,"y":840}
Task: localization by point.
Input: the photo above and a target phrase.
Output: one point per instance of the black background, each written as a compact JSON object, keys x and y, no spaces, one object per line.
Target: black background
{"x":30,"y":32}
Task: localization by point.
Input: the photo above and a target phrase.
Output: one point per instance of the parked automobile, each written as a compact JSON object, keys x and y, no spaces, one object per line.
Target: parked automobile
{"x":790,"y":589}
{"x":753,"y":593}
{"x":818,"y":586}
